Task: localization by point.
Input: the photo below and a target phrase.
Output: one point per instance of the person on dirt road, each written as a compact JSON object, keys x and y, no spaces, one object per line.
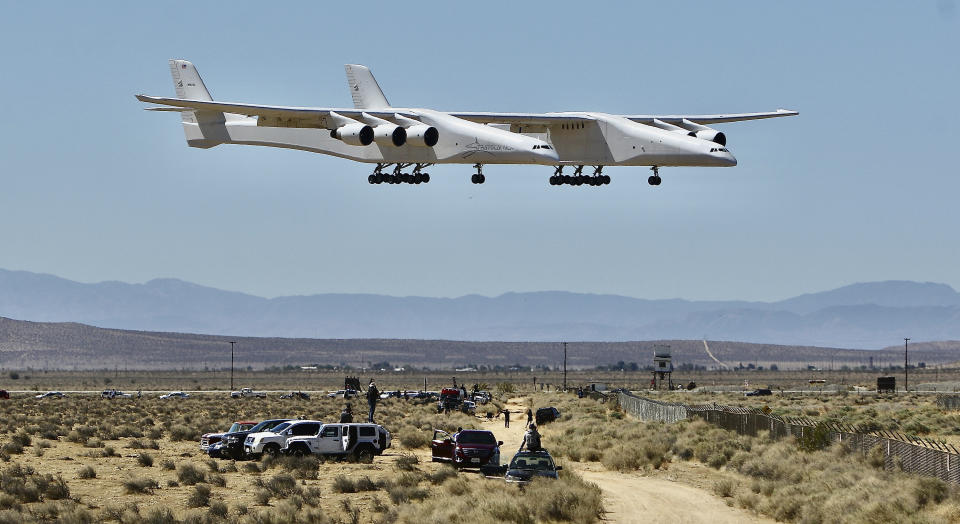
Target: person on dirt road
{"x":506,"y":417}
{"x":373,"y":395}
{"x":346,"y":416}
{"x":529,"y":416}
{"x":531,"y":439}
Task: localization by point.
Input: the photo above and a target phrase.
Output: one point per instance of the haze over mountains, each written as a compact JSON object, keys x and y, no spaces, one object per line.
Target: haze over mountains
{"x":866,"y":315}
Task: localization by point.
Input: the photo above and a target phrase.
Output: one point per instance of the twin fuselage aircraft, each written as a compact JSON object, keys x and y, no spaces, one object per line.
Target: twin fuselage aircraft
{"x":397,"y":139}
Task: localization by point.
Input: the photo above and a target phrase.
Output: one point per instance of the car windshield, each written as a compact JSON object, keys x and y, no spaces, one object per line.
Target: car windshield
{"x":239,"y":427}
{"x":476,"y":437}
{"x":279,"y":427}
{"x":532,"y":462}
{"x":264,"y":426}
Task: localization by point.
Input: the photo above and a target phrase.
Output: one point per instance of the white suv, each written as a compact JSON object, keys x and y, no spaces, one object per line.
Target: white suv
{"x":273,"y":441}
{"x":361,"y":441}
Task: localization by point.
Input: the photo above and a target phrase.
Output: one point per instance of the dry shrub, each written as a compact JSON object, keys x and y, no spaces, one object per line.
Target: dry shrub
{"x":188,"y":474}
{"x":725,"y":487}
{"x":407,"y":462}
{"x":140,"y":485}
{"x":200,"y":496}
{"x":145,"y":460}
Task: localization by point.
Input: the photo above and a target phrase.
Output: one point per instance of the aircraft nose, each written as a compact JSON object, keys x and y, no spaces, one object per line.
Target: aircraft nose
{"x":730,"y":159}
{"x":548,"y":156}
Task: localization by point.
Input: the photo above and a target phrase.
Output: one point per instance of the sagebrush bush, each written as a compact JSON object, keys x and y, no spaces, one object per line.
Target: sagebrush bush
{"x":188,"y":474}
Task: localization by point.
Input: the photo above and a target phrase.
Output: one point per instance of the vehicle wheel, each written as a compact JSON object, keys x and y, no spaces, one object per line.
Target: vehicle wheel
{"x":364,"y":455}
{"x":299,"y":451}
{"x":271,"y":449}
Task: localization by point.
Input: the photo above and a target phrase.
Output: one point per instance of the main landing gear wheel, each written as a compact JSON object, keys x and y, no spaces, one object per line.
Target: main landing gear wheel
{"x":579,"y":179}
{"x":398,"y":177}
{"x":654,"y":179}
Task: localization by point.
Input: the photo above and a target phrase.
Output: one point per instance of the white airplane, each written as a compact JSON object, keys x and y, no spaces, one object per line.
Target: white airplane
{"x":396,"y":138}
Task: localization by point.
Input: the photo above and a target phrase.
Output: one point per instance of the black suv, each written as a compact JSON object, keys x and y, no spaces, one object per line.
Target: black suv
{"x":528,"y":464}
{"x":231,"y":444}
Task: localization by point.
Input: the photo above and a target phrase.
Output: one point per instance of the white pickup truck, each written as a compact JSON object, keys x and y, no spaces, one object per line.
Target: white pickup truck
{"x":247,"y":393}
{"x":360,"y":442}
{"x":271,"y":442}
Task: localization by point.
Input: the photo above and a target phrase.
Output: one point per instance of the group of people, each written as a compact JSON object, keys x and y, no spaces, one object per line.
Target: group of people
{"x":373,"y":396}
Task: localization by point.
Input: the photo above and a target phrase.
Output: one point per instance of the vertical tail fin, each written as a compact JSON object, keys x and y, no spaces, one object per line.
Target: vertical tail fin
{"x":364,"y":89}
{"x":187,"y":81}
{"x":209,"y":130}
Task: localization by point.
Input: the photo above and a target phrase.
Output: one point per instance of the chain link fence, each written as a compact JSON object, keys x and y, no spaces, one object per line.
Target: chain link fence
{"x":900,"y":451}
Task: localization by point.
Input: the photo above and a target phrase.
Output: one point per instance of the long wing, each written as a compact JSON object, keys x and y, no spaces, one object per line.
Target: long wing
{"x":711,"y":119}
{"x":262,"y":110}
{"x":556,"y":118}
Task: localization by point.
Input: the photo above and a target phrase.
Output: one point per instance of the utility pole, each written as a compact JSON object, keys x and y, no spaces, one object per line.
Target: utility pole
{"x":564,"y":366}
{"x":906,"y":387}
{"x":232,"y":342}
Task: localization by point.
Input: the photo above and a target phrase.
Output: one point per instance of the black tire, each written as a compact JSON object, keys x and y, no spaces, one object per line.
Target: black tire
{"x":426,"y":178}
{"x":652,"y":180}
{"x":606,"y":179}
{"x":299,"y":450}
{"x":363,"y":454}
{"x":473,"y":179}
{"x":271,"y":449}
{"x":483,"y":179}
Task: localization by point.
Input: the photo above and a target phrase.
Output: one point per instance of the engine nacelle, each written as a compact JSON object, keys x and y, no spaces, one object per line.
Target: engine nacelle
{"x":354,"y":134}
{"x":422,"y":135}
{"x":712,"y":135}
{"x":388,"y":134}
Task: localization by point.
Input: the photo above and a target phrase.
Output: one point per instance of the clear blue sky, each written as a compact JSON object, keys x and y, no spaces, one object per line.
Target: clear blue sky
{"x":862,"y":186}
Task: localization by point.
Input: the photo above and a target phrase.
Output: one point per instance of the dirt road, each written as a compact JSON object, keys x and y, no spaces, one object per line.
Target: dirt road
{"x":630,"y":497}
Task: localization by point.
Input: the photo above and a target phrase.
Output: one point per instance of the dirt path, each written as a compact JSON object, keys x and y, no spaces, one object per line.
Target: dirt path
{"x":630,"y":498}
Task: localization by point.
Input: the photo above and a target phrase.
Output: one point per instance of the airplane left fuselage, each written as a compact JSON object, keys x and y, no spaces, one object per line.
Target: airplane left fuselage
{"x":589,"y":138}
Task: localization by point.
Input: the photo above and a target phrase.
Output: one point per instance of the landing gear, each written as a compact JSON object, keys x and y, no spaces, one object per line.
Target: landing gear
{"x":417,"y":176}
{"x":578,"y":178}
{"x":478,"y":178}
{"x":654,"y":179}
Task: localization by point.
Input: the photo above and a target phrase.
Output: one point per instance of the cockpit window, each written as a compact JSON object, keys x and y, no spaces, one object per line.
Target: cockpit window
{"x":546,"y":147}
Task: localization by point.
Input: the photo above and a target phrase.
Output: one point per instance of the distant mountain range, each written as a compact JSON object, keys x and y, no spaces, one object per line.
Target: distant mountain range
{"x":867,"y":315}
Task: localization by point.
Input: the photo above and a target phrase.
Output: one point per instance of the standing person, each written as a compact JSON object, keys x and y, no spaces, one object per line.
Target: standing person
{"x":531,"y":439}
{"x":346,"y":416}
{"x":506,"y":418}
{"x":373,"y":395}
{"x":529,"y":416}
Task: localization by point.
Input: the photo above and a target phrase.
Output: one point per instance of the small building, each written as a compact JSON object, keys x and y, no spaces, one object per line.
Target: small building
{"x":662,"y":367}
{"x":886,"y":384}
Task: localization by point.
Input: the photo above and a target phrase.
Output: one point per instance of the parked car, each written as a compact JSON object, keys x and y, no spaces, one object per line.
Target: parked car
{"x":113,"y":393}
{"x":450,"y":399}
{"x":231,"y":443}
{"x":207,"y":439}
{"x":247,"y":393}
{"x":298,"y":395}
{"x":50,"y":394}
{"x":361,"y":441}
{"x":273,"y":440}
{"x":759,"y":393}
{"x":545,"y":415}
{"x":175,"y":394}
{"x":529,"y":464}
{"x":469,"y":407}
{"x":470,"y":448}
{"x":343,"y":393}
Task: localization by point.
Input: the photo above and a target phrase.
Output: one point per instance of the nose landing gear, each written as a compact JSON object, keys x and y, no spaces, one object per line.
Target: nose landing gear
{"x":654,"y":179}
{"x":478,"y":178}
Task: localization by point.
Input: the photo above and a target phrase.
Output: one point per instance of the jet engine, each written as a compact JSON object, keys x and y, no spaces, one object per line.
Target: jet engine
{"x":704,"y":133}
{"x":390,"y":134}
{"x":712,"y":135}
{"x":354,"y":134}
{"x":422,"y":135}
